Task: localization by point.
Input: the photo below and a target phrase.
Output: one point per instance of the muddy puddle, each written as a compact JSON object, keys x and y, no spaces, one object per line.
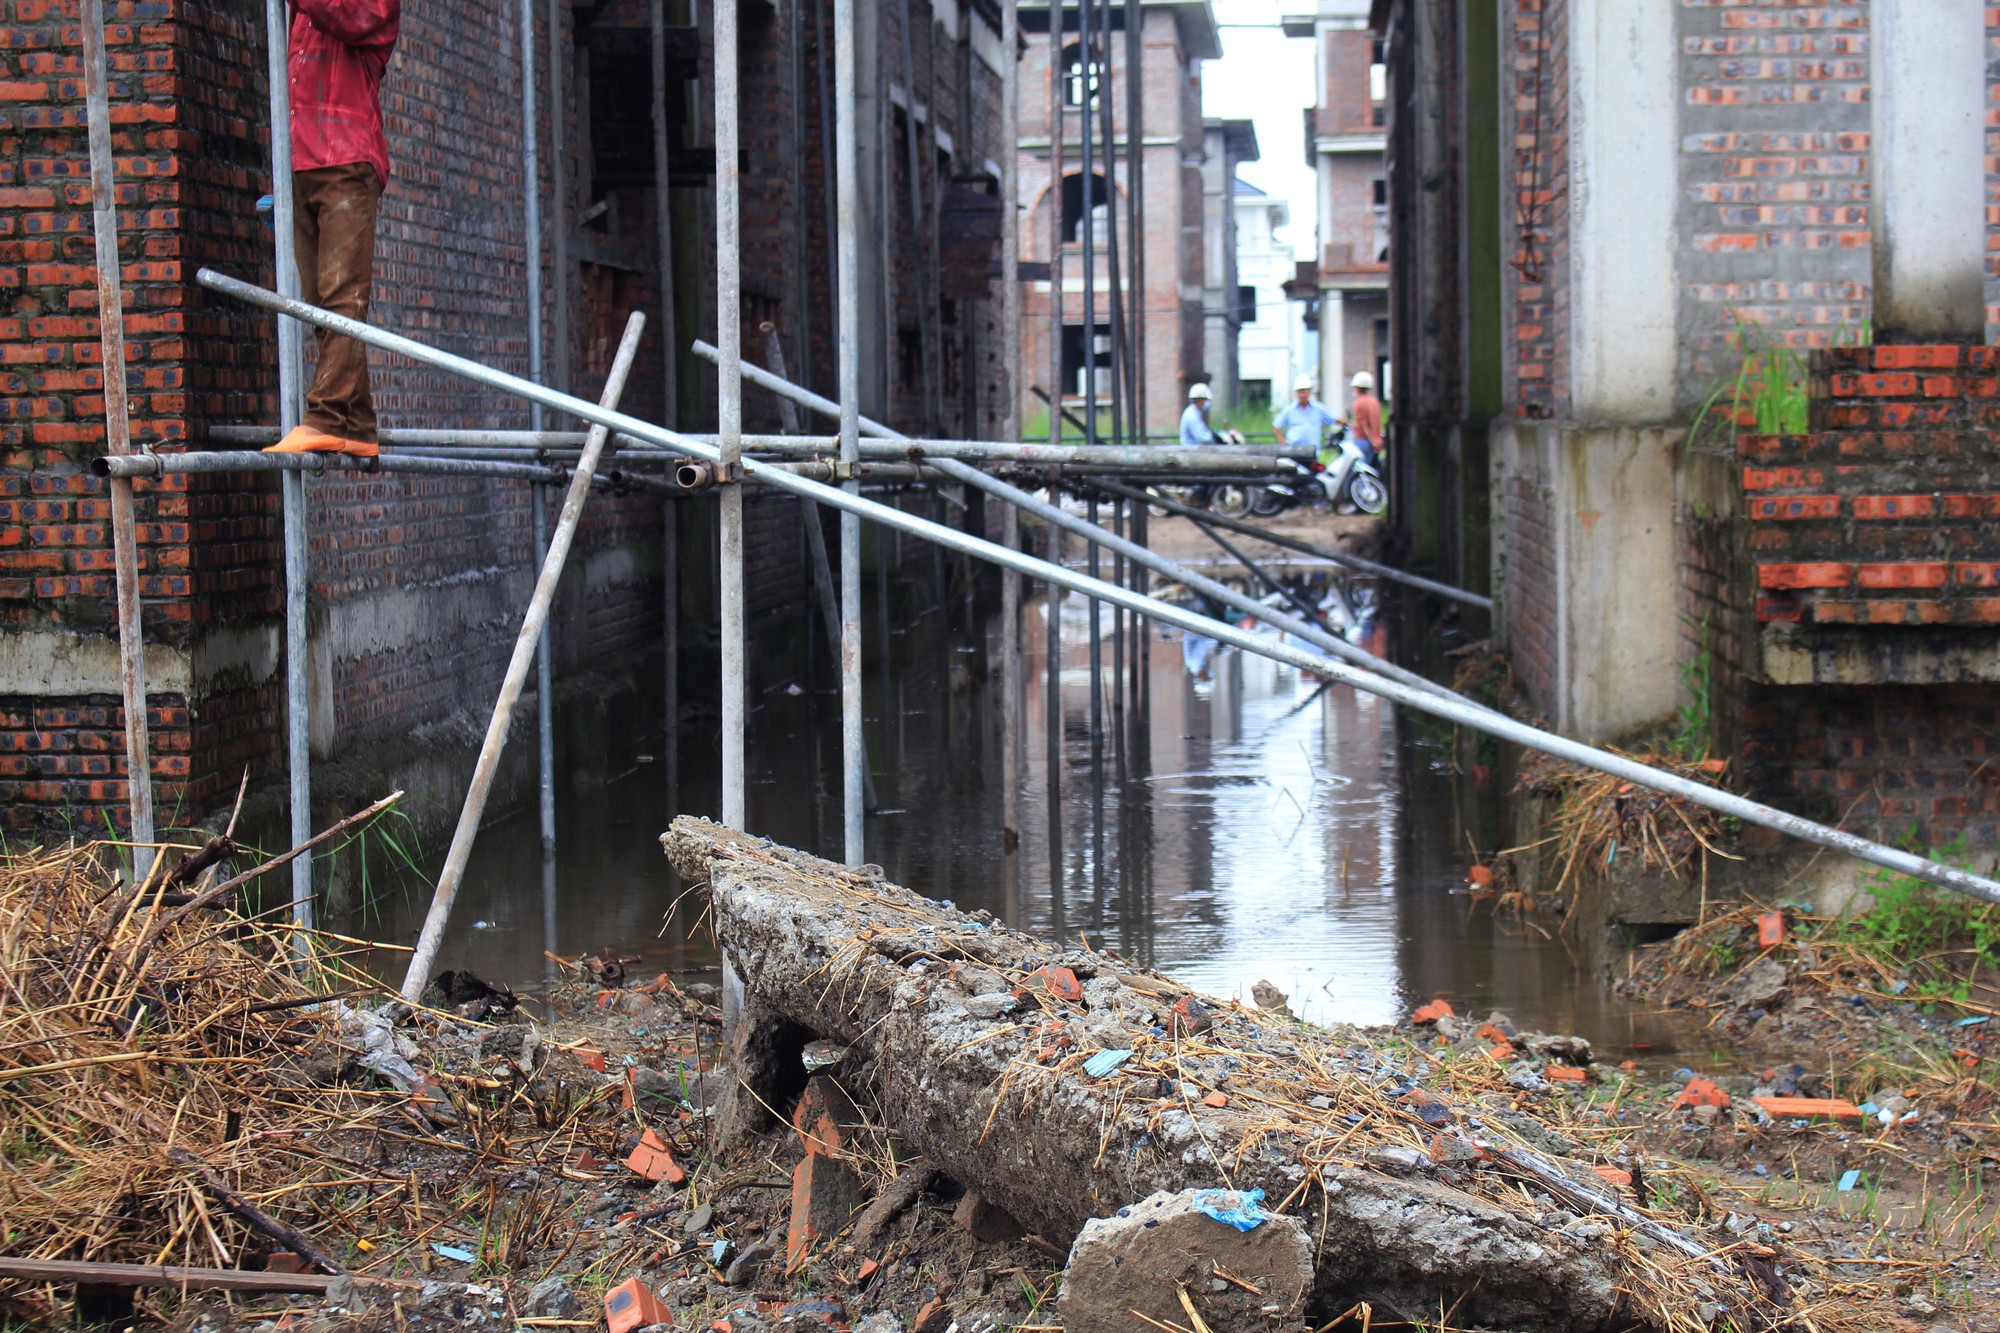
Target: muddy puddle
{"x":1247,"y":824}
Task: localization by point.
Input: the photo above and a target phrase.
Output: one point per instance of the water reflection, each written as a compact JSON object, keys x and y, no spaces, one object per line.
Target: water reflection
{"x":1267,"y":826}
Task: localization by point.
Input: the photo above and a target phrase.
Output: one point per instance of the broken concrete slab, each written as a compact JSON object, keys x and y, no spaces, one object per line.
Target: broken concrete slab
{"x":1005,"y":1108}
{"x":1138,"y":1266}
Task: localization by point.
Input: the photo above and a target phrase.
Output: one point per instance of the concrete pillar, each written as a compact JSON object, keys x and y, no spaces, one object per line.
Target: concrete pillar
{"x":1929,"y":188}
{"x":1625,"y":169}
{"x":1332,"y":347}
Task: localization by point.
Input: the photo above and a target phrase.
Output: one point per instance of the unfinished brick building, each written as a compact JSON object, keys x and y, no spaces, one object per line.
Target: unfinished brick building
{"x":1345,"y":143}
{"x":417,"y":583}
{"x":1619,"y":200}
{"x":1183,"y":251}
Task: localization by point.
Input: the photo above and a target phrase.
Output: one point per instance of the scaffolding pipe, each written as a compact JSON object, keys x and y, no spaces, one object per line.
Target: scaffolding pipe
{"x":531,"y":262}
{"x":1366,"y":566}
{"x":291,"y":401}
{"x":1010,"y":521}
{"x":161,"y":465}
{"x":847,"y":269}
{"x":1162,"y":458}
{"x":1055,"y":516}
{"x":1451,"y":710}
{"x":118,"y":441}
{"x":490,"y":750}
{"x":729,"y":400}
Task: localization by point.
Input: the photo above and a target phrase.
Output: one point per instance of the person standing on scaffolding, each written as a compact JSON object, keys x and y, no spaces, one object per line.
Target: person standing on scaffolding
{"x":335,"y":59}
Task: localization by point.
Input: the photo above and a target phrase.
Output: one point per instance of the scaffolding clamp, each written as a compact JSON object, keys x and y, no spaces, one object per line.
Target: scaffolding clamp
{"x":844,"y":469}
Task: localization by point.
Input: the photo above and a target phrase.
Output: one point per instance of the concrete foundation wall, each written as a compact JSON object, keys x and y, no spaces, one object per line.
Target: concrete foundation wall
{"x":1586,"y":571}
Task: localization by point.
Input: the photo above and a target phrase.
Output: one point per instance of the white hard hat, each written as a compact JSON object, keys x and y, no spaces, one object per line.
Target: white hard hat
{"x":1363,"y":380}
{"x":1302,"y":382}
{"x":1198,"y":391}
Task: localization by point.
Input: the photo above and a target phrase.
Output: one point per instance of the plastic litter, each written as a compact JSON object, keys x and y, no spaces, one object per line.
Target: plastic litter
{"x":463,"y":1256}
{"x":1850,"y":1180}
{"x":1102,"y":1063}
{"x":1242,"y":1209}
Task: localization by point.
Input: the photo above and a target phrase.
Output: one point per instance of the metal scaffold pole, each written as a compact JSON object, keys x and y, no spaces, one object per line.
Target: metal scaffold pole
{"x":531,"y":227}
{"x":118,"y":440}
{"x":1010,"y":521}
{"x":1180,"y":617}
{"x":729,"y":402}
{"x":291,"y":398}
{"x":550,"y":575}
{"x":729,"y":425}
{"x":847,"y":199}
{"x":1058,"y":520}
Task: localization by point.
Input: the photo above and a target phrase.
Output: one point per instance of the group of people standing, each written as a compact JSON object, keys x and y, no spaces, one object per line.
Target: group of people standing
{"x":1304,"y":423}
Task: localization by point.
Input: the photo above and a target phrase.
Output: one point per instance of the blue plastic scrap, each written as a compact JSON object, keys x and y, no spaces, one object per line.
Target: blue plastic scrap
{"x":1242,"y":1209}
{"x":1102,"y":1063}
{"x":1970,"y":1022}
{"x":453,"y":1252}
{"x":1849,"y":1181}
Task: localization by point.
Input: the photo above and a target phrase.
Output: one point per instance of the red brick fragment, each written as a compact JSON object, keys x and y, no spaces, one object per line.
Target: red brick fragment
{"x":1702,"y":1092}
{"x":631,"y":1304}
{"x":1808,"y":1108}
{"x":1432,"y":1012}
{"x":654,"y":1160}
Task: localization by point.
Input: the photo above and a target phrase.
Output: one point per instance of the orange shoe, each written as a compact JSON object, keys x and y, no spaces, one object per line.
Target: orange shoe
{"x":311,"y":440}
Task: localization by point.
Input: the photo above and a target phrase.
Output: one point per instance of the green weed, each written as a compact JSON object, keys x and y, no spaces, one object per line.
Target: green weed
{"x":1694,"y":733}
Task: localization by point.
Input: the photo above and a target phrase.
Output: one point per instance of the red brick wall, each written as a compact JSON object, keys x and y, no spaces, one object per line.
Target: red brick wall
{"x":1909,"y":764}
{"x":1877,"y":522}
{"x":1538,"y":81}
{"x":1344,"y":104}
{"x":1883,"y":515}
{"x":186,"y":156}
{"x":1773,"y":228}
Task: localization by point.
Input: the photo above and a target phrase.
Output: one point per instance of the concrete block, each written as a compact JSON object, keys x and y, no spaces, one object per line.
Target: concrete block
{"x":1138,"y":1261}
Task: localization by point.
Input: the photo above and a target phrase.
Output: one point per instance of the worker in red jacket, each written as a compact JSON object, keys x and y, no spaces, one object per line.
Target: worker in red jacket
{"x":340,"y":163}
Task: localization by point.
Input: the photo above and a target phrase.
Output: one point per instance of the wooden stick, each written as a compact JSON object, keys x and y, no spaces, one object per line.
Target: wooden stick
{"x":297,"y":1242}
{"x":97,"y":1273}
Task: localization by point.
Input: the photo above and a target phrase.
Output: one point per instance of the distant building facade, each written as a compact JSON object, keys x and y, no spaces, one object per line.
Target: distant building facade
{"x":1271,"y":348}
{"x":1226,"y":145}
{"x":1170,"y":255}
{"x":1346,"y":139}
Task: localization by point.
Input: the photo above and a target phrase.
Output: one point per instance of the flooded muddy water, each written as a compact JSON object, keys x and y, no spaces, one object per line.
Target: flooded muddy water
{"x":1250,"y":823}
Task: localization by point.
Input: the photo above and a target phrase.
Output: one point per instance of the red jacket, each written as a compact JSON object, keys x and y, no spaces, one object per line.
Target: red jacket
{"x":338,"y":51}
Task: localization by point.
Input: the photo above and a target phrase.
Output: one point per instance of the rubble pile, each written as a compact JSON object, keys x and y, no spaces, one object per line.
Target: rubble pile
{"x":924,"y":1122}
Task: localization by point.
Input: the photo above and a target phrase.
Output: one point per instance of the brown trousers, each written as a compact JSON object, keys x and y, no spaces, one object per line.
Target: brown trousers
{"x":333,"y":233}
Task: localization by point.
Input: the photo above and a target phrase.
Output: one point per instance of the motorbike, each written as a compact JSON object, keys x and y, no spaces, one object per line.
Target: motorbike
{"x":1350,"y":478}
{"x":1305,"y":485}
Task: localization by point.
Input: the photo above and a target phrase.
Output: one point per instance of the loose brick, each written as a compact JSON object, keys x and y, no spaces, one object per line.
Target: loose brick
{"x":1826,"y":574}
{"x":1930,"y":574}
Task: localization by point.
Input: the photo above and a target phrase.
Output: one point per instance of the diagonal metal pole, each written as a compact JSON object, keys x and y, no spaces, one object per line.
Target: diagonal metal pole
{"x":1053,"y":514}
{"x":1180,"y":617}
{"x":462,"y":838}
{"x":1366,"y":566}
{"x":118,"y":440}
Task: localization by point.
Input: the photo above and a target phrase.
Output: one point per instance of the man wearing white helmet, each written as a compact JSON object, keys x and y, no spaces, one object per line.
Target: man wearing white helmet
{"x":1367,"y":414}
{"x":1303,"y":424}
{"x":1196,"y":433}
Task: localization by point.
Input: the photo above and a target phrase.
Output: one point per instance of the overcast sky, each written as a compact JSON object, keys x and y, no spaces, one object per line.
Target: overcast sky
{"x":1267,"y":77}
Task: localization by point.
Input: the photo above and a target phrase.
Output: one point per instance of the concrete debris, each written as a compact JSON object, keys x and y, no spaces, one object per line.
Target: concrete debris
{"x":551,"y":1298}
{"x":1155,"y":1258}
{"x":1760,"y":986}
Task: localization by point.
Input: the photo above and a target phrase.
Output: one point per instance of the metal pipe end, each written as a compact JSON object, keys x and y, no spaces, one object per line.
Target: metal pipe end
{"x":100,"y":467}
{"x":694,"y":477}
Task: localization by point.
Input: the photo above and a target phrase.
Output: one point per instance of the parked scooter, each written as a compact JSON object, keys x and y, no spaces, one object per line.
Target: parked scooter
{"x":1304,"y":485}
{"x":1350,"y":478}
